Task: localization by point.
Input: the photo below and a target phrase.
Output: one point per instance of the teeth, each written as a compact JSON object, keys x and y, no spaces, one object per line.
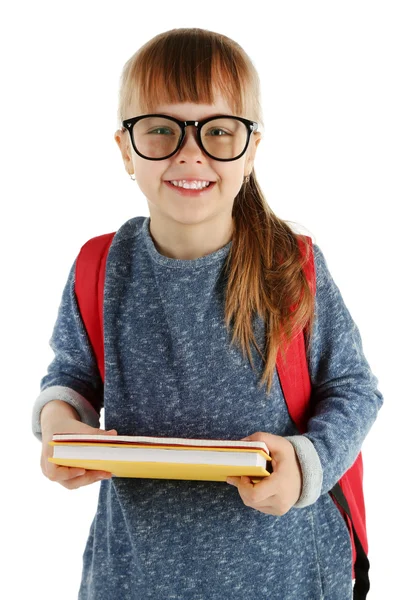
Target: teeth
{"x":192,"y":185}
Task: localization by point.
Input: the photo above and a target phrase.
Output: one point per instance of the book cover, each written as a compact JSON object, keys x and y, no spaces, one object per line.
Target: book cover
{"x":161,"y":457}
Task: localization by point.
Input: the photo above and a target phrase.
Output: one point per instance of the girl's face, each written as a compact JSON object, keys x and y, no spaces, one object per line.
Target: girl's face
{"x":165,"y":204}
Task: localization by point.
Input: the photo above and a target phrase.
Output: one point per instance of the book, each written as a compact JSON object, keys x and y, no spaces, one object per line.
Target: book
{"x":162,"y":457}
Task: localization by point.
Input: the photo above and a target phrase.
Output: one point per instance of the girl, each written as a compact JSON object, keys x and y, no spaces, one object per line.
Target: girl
{"x":211,"y":255}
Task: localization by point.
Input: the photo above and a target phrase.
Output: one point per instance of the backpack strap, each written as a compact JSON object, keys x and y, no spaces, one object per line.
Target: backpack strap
{"x":89,"y":289}
{"x":294,"y":377}
{"x":293,"y":369}
{"x":362,"y":564}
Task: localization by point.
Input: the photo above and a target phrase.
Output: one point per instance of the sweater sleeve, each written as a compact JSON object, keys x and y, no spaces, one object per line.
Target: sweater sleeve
{"x":345,"y":396}
{"x":73,"y":374}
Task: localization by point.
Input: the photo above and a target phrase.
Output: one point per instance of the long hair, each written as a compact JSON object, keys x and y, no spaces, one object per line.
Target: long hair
{"x":264,"y":267}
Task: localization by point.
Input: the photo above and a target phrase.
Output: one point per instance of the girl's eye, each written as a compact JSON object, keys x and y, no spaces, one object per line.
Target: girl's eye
{"x":161,"y":129}
{"x":213,"y":130}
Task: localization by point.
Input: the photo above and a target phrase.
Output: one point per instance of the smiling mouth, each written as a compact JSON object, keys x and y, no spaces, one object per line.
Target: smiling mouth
{"x":190,"y":185}
{"x":190,"y":191}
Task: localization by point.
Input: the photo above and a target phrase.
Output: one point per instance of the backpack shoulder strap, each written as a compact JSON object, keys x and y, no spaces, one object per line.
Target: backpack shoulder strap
{"x":89,"y":289}
{"x":295,"y":382}
{"x":293,"y":368}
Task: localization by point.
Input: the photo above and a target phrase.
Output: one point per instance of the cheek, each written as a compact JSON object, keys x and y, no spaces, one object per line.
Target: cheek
{"x":149,"y":177}
{"x":149,"y":186}
{"x":234,"y":182}
{"x":230,"y":178}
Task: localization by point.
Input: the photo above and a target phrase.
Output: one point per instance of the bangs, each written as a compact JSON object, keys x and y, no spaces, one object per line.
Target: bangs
{"x":186,"y":65}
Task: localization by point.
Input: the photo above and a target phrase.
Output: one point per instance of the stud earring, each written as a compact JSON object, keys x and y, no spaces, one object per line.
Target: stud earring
{"x":131,"y":176}
{"x":246,"y":179}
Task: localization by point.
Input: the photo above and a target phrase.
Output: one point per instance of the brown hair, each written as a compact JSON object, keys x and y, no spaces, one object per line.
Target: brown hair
{"x":264,"y":267}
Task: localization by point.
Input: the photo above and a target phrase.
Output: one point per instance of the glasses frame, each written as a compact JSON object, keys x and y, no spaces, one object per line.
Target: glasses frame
{"x":251,"y":127}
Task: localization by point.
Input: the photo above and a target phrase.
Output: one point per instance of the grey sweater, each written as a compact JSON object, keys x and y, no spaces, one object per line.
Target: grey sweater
{"x":169,"y":371}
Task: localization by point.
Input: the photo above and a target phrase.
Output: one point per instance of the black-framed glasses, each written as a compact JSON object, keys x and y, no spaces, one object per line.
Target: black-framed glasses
{"x":157,"y":136}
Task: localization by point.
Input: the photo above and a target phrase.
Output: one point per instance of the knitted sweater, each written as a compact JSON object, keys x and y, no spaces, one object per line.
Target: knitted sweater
{"x":170,"y":371}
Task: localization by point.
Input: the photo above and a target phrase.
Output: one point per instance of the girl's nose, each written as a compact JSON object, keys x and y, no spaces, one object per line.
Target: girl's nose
{"x":190,"y":139}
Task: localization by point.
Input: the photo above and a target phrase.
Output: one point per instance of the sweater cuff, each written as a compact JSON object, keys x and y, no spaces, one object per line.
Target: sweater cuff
{"x":312,"y":472}
{"x":86,"y":411}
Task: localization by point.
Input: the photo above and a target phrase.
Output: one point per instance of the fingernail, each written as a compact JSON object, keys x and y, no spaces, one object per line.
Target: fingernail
{"x":230,"y":481}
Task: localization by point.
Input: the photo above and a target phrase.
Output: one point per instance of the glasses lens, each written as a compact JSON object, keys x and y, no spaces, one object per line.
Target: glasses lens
{"x":224,"y":137}
{"x":157,"y":137}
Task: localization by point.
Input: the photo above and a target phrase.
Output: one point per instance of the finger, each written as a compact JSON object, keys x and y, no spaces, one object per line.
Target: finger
{"x":266,"y":486}
{"x":77,"y":472}
{"x":56,"y":472}
{"x":243,"y":480}
{"x":68,"y":473}
{"x":246,"y":482}
{"x":233,"y":481}
{"x":243,"y":483}
{"x":255,"y":494}
{"x":60,"y":473}
{"x":88,"y":478}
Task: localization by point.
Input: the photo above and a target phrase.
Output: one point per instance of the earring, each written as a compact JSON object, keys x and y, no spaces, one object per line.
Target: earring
{"x":246,"y":179}
{"x":131,"y":176}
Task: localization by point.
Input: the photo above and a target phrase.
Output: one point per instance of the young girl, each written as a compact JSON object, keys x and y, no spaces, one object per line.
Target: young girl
{"x":211,"y":260}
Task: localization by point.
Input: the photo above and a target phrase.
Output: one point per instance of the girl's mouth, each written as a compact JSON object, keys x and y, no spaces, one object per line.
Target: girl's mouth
{"x":190,"y":192}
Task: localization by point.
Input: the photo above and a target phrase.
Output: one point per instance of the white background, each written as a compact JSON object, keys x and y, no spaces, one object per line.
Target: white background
{"x":335,"y":159}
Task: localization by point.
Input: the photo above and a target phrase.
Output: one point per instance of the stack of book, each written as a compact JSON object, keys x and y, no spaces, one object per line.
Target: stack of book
{"x":161,"y":457}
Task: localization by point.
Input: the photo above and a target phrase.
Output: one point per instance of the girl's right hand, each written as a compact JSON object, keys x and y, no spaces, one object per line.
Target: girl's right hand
{"x":70,"y":477}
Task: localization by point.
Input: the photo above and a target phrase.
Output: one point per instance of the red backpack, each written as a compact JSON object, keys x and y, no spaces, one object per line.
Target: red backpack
{"x":294,"y":378}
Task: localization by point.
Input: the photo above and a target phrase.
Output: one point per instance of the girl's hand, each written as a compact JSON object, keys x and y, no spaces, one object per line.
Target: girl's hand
{"x":69,"y":477}
{"x":276,"y":494}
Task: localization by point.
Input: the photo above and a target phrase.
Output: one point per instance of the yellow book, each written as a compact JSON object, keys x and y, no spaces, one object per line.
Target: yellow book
{"x":161,"y":457}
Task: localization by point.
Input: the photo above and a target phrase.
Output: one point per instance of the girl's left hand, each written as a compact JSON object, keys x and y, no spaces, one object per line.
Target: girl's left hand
{"x":277,"y":493}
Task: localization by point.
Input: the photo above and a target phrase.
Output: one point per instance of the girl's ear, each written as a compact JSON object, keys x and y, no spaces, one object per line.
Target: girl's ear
{"x":254,"y":141}
{"x":122,"y":140}
{"x":257,"y":138}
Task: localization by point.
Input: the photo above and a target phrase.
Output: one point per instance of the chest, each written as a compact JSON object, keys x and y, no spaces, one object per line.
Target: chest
{"x":170,"y":369}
